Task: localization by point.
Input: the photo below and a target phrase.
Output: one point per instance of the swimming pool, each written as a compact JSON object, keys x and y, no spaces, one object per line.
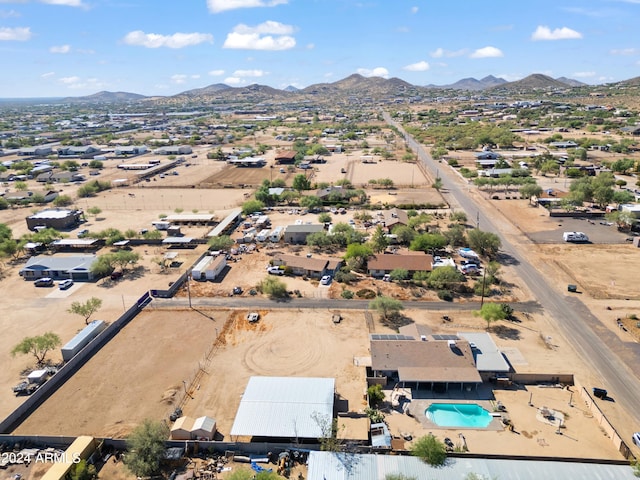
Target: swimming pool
{"x":467,"y":415}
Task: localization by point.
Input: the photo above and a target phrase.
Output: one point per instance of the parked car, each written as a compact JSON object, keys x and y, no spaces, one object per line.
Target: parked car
{"x":275,"y":271}
{"x":253,"y":317}
{"x":65,"y":284}
{"x":326,"y":280}
{"x":599,"y":393}
{"x":636,"y":438}
{"x":83,"y":233}
{"x":116,"y":275}
{"x":43,"y":282}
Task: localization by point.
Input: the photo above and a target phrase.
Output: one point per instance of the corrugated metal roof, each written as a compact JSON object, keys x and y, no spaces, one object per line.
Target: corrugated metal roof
{"x":58,"y":263}
{"x":204,"y":424}
{"x":284,"y":407}
{"x":488,"y":357}
{"x":345,"y":466}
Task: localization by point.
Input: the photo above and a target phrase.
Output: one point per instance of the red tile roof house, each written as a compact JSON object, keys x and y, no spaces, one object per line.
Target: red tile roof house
{"x":380,"y":265}
{"x":308,"y":266}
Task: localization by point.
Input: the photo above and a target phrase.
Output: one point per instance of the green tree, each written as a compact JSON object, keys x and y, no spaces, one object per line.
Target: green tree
{"x":375,"y":394}
{"x":329,"y":441}
{"x":404,"y":234}
{"x":252,"y":206}
{"x":319,"y":240}
{"x":357,"y":254}
{"x":273,"y":287}
{"x":311,"y":202}
{"x":125,"y":258}
{"x":324,"y":218}
{"x":430,"y":450}
{"x":530,"y":190}
{"x":428,"y":242}
{"x":83,"y":471}
{"x":38,"y":346}
{"x":146,"y":447}
{"x":491,"y":312}
{"x":458,"y":217}
{"x":86,"y":191}
{"x":387,"y":307}
{"x":379,"y":241}
{"x":437,"y":184}
{"x":5,"y":231}
{"x":399,"y":274}
{"x":455,"y":235}
{"x":20,"y":186}
{"x":223,"y":242}
{"x":445,"y":277}
{"x":102,"y":266}
{"x":484,"y":243}
{"x":86,"y":309}
{"x":301,"y":182}
{"x":152,"y":235}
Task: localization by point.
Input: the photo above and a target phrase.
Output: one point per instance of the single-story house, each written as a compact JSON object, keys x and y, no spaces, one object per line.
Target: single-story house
{"x":76,"y":267}
{"x":60,"y":177}
{"x":486,"y":155}
{"x":435,"y":362}
{"x":174,"y":150}
{"x":130,"y":150}
{"x":324,"y":193}
{"x":395,"y":217}
{"x":60,"y":219}
{"x":85,"y":151}
{"x":299,"y":233}
{"x":35,"y":151}
{"x":286,"y":157}
{"x":382,"y":264}
{"x":564,"y":144}
{"x":308,"y":266}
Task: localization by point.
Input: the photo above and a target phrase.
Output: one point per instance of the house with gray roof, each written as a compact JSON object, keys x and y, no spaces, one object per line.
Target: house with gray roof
{"x":299,"y":233}
{"x":57,"y":267}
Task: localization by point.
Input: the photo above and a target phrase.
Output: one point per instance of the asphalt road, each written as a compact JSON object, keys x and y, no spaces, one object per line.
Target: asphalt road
{"x":614,"y":361}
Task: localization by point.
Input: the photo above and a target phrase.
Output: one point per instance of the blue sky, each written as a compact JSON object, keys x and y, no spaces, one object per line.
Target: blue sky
{"x":163,"y":47}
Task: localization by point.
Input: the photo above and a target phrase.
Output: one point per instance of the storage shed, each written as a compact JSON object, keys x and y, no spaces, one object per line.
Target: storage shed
{"x":204,"y":428}
{"x":181,"y":429}
{"x":77,"y":343}
{"x":38,"y":377}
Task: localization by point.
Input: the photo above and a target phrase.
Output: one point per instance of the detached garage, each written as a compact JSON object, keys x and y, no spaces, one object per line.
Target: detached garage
{"x":204,"y":428}
{"x":181,"y":429}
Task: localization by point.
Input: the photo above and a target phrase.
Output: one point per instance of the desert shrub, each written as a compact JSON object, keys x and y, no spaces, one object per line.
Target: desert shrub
{"x":445,"y":295}
{"x":366,"y":294}
{"x":347,"y":294}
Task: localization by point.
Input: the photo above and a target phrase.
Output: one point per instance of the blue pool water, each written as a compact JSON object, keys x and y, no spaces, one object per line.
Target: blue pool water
{"x":458,"y":415}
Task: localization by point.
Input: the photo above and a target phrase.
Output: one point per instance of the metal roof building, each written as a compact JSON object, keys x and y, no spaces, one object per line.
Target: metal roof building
{"x":284,"y":407}
{"x":486,"y":354}
{"x":346,"y":466}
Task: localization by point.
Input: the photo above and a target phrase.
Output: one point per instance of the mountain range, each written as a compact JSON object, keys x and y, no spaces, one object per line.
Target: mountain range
{"x":353,"y":85}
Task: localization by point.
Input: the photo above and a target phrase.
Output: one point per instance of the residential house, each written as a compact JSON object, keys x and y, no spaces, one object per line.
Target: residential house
{"x":76,"y":268}
{"x":486,"y":155}
{"x":382,"y":264}
{"x":395,"y":217}
{"x":564,"y":144}
{"x":60,"y":219}
{"x":59,"y":177}
{"x":299,"y":233}
{"x":35,"y":151}
{"x":286,"y":157}
{"x":130,"y":150}
{"x":85,"y":151}
{"x":308,"y":266}
{"x":174,"y":150}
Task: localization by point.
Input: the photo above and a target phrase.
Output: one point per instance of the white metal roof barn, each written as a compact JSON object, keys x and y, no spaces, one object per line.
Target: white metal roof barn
{"x":284,"y":407}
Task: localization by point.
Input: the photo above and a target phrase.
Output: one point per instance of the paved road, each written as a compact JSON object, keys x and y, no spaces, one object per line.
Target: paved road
{"x":616,"y":362}
{"x":332,"y":304}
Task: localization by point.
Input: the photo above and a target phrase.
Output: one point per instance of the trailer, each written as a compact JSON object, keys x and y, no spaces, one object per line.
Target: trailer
{"x":262,"y":221}
{"x":161,"y":225}
{"x":263,"y":235}
{"x":215,"y":267}
{"x":82,"y":339}
{"x":198,"y":271}
{"x":276,"y":234}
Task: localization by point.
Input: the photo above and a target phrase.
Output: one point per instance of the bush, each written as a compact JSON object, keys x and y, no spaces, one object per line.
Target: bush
{"x":345,"y":277}
{"x":376,"y":395}
{"x":430,"y":450}
{"x":366,"y":294}
{"x":347,"y":294}
{"x":445,"y":295}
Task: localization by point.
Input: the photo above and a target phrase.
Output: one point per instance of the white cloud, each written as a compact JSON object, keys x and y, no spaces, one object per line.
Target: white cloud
{"x":48,"y":75}
{"x":441,"y":52}
{"x":584,"y":74}
{"x":195,"y":77}
{"x":9,"y":13}
{"x":178,"y":79}
{"x":177,"y":40}
{"x":18,"y":34}
{"x":67,"y":3}
{"x":69,"y":80}
{"x":77,"y":83}
{"x":414,"y":10}
{"x":261,"y":37}
{"x":417,"y":67}
{"x":216,"y":73}
{"x":233,"y":81}
{"x":376,"y":72}
{"x":249,"y":73}
{"x":545,"y":33}
{"x":85,"y":51}
{"x":487,"y":52}
{"x":217,"y":6}
{"x":60,"y":49}
{"x":625,"y":51}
